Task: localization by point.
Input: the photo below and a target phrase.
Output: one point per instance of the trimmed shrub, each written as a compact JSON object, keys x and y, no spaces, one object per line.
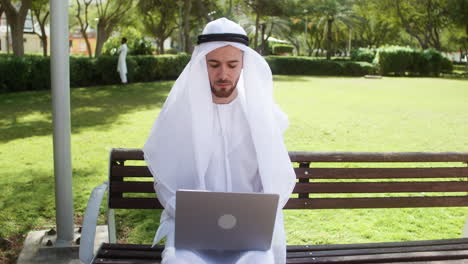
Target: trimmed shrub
{"x":33,"y":72}
{"x":82,"y":71}
{"x":15,"y":73}
{"x":403,"y":61}
{"x":279,"y":49}
{"x":363,"y":54}
{"x":447,"y":65}
{"x":39,"y":75}
{"x":171,"y":51}
{"x":311,"y":66}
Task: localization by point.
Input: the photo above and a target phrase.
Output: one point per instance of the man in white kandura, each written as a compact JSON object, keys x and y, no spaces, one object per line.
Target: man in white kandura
{"x":226,"y":139}
{"x":122,"y":64}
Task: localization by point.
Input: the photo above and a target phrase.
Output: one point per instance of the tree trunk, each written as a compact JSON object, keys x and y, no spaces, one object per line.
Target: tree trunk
{"x":257,"y":24}
{"x":161,"y":46}
{"x":88,"y":45}
{"x":16,"y":21}
{"x":329,"y":38}
{"x":262,"y":50}
{"x":43,"y":35}
{"x":44,"y":44}
{"x":187,"y":40}
{"x":102,"y":36}
{"x":17,"y":38}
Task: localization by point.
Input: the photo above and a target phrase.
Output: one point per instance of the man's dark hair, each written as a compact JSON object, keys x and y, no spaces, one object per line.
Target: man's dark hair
{"x":124,"y":40}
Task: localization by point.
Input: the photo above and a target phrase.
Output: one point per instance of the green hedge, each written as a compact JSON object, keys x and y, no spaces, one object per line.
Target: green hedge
{"x":311,"y":66}
{"x":33,"y":72}
{"x":279,"y":49}
{"x":363,"y":54}
{"x":403,"y":61}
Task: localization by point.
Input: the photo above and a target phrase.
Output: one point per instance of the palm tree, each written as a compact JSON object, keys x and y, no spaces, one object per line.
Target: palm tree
{"x":269,"y":26}
{"x":334,"y":12}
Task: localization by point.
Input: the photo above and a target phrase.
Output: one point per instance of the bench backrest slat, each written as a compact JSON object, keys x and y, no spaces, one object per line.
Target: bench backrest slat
{"x":380,"y":187}
{"x":330,"y":187}
{"x":380,"y":173}
{"x":381,"y":202}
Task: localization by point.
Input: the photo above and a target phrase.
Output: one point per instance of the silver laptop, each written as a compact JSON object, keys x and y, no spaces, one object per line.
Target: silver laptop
{"x":224,"y":221}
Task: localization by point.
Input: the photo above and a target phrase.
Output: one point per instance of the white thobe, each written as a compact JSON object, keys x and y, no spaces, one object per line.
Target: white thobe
{"x":233,"y":168}
{"x":122,"y":64}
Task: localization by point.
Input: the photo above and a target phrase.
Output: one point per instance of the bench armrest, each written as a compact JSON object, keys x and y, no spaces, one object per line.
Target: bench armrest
{"x":88,"y":230}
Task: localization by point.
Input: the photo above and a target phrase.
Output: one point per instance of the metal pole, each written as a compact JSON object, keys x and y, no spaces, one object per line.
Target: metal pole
{"x":349,"y":43}
{"x":7,"y":37}
{"x":60,"y":79}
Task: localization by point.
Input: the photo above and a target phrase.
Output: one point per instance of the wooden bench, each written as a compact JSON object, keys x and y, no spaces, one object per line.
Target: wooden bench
{"x":408,"y":186}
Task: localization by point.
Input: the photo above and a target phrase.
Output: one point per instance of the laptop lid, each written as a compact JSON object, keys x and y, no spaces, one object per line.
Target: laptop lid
{"x":224,"y":221}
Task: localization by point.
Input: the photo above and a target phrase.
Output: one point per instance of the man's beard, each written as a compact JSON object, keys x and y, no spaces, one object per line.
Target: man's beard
{"x":223,"y":92}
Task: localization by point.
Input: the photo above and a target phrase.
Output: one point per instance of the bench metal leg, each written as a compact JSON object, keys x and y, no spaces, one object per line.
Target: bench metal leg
{"x":465,"y":229}
{"x":111,"y":225}
{"x":88,"y":231}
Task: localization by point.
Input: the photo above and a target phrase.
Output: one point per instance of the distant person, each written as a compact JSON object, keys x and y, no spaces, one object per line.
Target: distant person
{"x":122,"y":65}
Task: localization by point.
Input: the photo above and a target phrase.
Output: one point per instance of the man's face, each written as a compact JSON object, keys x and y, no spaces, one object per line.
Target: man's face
{"x":224,"y":68}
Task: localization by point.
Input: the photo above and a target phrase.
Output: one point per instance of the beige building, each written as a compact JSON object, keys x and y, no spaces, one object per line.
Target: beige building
{"x":78,"y":43}
{"x":32,"y":42}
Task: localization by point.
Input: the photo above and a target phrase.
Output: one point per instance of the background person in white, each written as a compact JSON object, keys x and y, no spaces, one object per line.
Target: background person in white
{"x":220,"y":130}
{"x":122,"y":64}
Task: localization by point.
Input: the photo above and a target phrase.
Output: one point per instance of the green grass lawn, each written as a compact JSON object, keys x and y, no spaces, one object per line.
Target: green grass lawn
{"x":326,"y":114}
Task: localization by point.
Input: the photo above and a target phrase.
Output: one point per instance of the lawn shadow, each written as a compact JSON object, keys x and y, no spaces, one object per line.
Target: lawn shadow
{"x":28,"y":114}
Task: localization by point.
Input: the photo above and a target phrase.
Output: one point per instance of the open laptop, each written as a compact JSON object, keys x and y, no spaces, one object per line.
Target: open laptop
{"x":224,"y":221}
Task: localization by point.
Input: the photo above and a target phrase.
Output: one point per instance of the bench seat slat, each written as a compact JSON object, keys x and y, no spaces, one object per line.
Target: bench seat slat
{"x":391,"y":257}
{"x":125,"y":261}
{"x":380,"y":173}
{"x":381,"y":187}
{"x":418,"y":243}
{"x":131,"y":254}
{"x":443,"y":250}
{"x":376,"y":250}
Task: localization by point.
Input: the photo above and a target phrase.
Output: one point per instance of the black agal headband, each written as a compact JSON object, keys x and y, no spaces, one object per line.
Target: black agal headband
{"x":243,"y":39}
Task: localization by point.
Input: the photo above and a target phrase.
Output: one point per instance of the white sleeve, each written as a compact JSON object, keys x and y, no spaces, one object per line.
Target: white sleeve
{"x":166,"y":198}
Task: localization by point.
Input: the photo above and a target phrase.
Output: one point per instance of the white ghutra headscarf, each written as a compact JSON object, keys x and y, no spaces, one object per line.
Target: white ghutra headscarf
{"x":179,"y":147}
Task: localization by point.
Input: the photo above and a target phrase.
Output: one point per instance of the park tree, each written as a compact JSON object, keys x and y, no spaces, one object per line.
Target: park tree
{"x":16,"y":18}
{"x":376,"y":27}
{"x":109,"y":14}
{"x":458,"y":13}
{"x":270,"y":26}
{"x":200,"y":13}
{"x":83,"y":17}
{"x":159,"y":19}
{"x":331,"y":13}
{"x":261,"y":9}
{"x":186,"y":10}
{"x":423,"y":20}
{"x":41,"y":11}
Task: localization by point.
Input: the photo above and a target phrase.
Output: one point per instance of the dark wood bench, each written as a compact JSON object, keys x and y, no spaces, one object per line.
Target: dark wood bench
{"x":407,"y":186}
